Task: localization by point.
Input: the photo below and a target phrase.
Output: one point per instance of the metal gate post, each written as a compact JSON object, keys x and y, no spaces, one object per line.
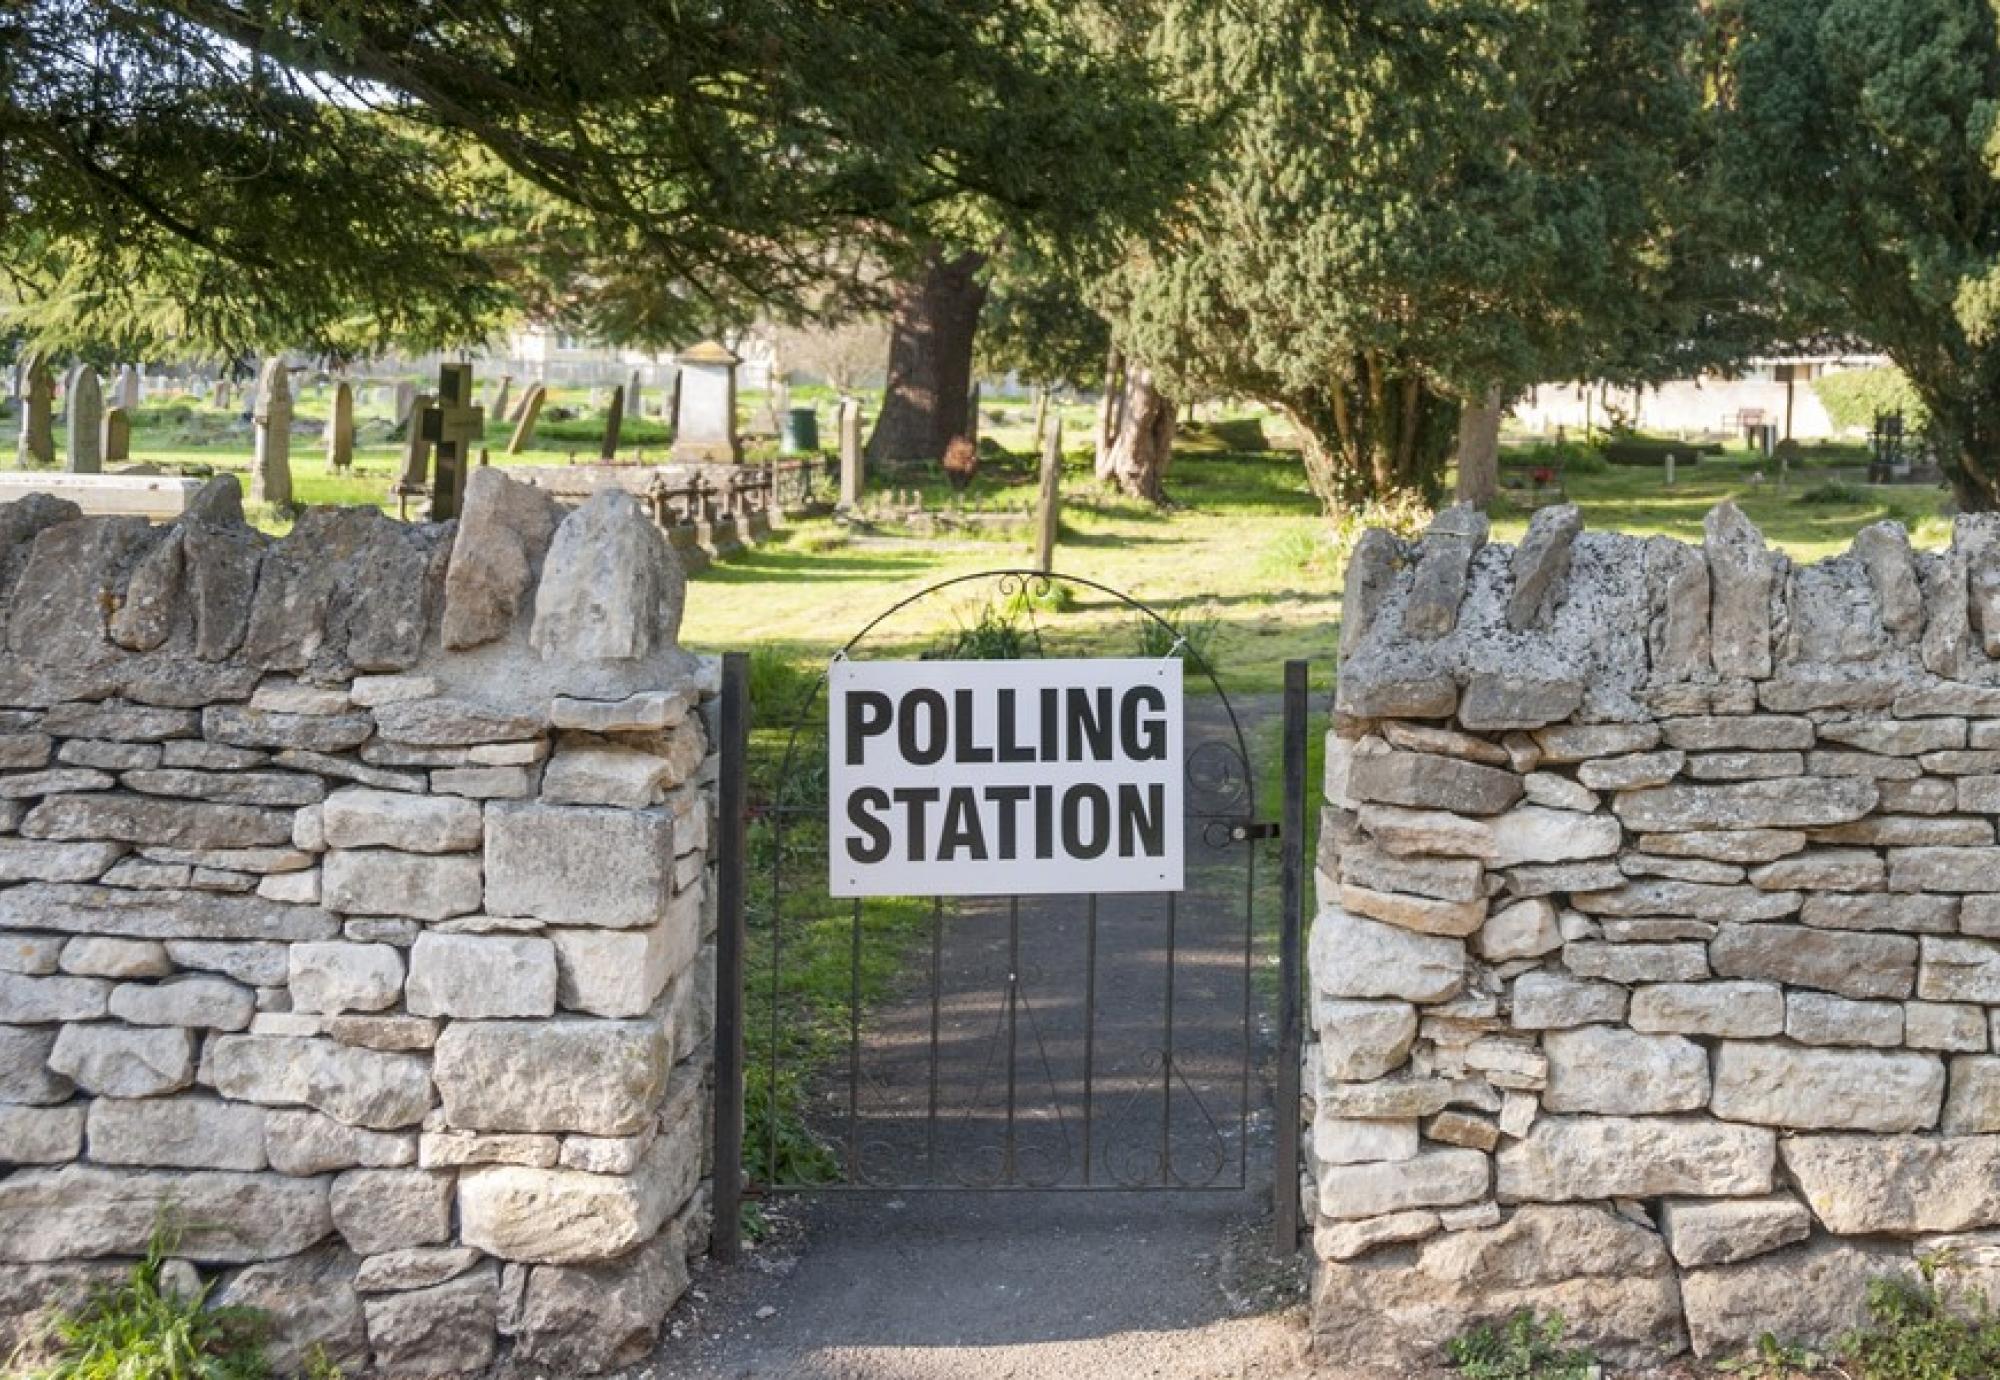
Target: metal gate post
{"x":726,"y":1231}
{"x":1292,"y":826}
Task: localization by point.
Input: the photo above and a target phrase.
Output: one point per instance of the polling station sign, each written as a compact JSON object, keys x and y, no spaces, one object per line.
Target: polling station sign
{"x":996,"y":778}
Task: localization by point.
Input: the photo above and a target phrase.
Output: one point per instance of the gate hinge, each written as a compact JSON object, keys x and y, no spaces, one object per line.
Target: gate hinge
{"x":1269,"y":829}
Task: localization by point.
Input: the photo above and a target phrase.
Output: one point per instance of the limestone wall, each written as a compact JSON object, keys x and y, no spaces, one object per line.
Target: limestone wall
{"x":354,"y":918}
{"x":1658,"y":956}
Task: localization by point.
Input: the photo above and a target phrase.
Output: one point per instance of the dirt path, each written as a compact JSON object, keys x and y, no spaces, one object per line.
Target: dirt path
{"x":922,"y":1285}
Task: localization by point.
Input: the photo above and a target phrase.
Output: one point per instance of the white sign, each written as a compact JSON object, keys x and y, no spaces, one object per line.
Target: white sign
{"x":996,"y":778}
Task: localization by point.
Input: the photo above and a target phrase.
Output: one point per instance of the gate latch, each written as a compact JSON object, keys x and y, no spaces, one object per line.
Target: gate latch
{"x":1268,"y":829}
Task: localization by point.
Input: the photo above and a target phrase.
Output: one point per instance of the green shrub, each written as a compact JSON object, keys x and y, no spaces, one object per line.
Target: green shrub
{"x":1917,"y":1331}
{"x":995,"y":634}
{"x":1173,"y":632}
{"x":1834,"y":494}
{"x":1523,"y":1348}
{"x":141,"y":1330}
{"x":1039,"y":596}
{"x":1772,"y":1359}
{"x":1853,"y":397}
{"x":1404,"y":513}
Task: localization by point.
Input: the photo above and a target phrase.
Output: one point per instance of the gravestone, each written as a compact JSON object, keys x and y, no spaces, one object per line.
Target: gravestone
{"x":115,"y":442}
{"x":705,"y":424}
{"x":531,"y":409}
{"x":271,"y":474}
{"x":340,"y":428}
{"x":635,"y":394}
{"x":852,"y":474}
{"x":1048,"y":513}
{"x":70,"y":376}
{"x":406,"y":399}
{"x":614,"y":422}
{"x":37,"y":444}
{"x":415,"y":477}
{"x":454,"y":425}
{"x":222,"y":394}
{"x":128,"y":390}
{"x":86,"y":417}
{"x":499,"y":407}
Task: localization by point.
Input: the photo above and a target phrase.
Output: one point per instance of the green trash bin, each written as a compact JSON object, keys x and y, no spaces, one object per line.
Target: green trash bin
{"x":800,"y":433}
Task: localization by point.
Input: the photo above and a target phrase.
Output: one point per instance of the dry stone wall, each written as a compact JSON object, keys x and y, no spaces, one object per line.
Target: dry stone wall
{"x":1656,"y":977}
{"x":355,"y":923}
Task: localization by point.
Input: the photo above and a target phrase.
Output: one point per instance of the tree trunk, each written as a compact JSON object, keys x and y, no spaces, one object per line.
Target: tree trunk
{"x":1479,"y":450}
{"x":931,"y":335}
{"x":1137,"y":460}
{"x":1377,"y":432}
{"x":1109,"y":412}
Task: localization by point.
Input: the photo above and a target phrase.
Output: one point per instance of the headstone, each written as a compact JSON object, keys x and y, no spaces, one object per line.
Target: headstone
{"x":499,"y":407}
{"x":115,"y":444}
{"x":340,"y":428}
{"x":635,"y":394}
{"x":1670,"y":469}
{"x":222,"y":394}
{"x":1048,"y":514}
{"x":37,"y":445}
{"x":85,"y":420}
{"x":141,"y":386}
{"x":128,"y":390}
{"x":70,"y":377}
{"x":851,"y":473}
{"x":614,"y":422}
{"x":406,"y":399}
{"x":271,"y":475}
{"x":705,"y":424}
{"x":416,"y":473}
{"x":454,"y":425}
{"x":524,"y":427}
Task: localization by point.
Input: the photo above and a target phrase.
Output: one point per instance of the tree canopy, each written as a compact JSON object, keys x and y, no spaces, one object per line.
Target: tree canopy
{"x":355,"y":173}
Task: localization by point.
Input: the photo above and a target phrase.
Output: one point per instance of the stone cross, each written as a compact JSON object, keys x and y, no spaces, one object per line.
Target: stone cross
{"x":37,"y":444}
{"x":115,"y":441}
{"x":271,"y":475}
{"x":340,"y":428}
{"x":86,"y":418}
{"x":852,"y":475}
{"x":705,"y":422}
{"x":614,"y":422}
{"x":524,"y":425}
{"x":454,"y":425}
{"x":1048,"y":512}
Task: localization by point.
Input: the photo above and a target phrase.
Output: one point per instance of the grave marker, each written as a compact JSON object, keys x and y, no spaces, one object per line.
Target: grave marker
{"x":86,"y":416}
{"x":614,"y":423}
{"x":128,"y":390}
{"x":37,"y":443}
{"x":524,"y":426}
{"x":340,"y":428}
{"x":271,"y":475}
{"x":406,"y":400}
{"x":115,"y":442}
{"x":635,"y":398}
{"x":454,"y":425}
{"x":506,"y":386}
{"x":1048,"y":515}
{"x":852,"y":474}
{"x":415,"y":477}
{"x":705,"y":423}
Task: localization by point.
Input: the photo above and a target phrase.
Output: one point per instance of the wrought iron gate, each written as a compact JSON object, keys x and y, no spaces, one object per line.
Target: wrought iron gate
{"x":1032,"y":1042}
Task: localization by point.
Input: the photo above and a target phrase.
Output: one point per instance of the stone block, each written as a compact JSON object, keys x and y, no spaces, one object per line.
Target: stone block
{"x":1344,"y":1140}
{"x":1361,"y":1040}
{"x":1551,"y":1001}
{"x":332,"y":977}
{"x":1811,"y":1294}
{"x":1944,"y":1026}
{"x":598,"y":1077}
{"x":563,"y":1217}
{"x":1621,"y":1073}
{"x":1883,"y":911}
{"x":1349,"y":956}
{"x":1443,"y":879}
{"x":359,"y":817}
{"x":1784,"y":803}
{"x":177,"y":1133}
{"x":26,"y":860}
{"x":446,"y":1329}
{"x":361,"y":1087}
{"x":1972,"y":1107}
{"x":1959,"y":970}
{"x":1862,"y":1185}
{"x":40,"y":1135}
{"x":25,"y":1075}
{"x":109,"y":957}
{"x":1631,"y":963}
{"x":377,"y":1210}
{"x":113,"y":1060}
{"x":623,"y":972}
{"x":586,"y":1319}
{"x":201,"y":1003}
{"x":1721,"y":1233}
{"x":377,"y":881}
{"x":1420,"y":914}
{"x":1738,"y":1010}
{"x":483,"y":975}
{"x":1850,"y":965}
{"x":546,"y":862}
{"x":1384,"y":775}
{"x":175,"y":916}
{"x":1817,"y":1018}
{"x":313,"y":1310}
{"x":1582,"y":1158}
{"x":303,"y":1142}
{"x":88,"y":1211}
{"x":418,"y":1267}
{"x":1827,"y":1089}
{"x":45,"y":1000}
{"x":1437,"y":1178}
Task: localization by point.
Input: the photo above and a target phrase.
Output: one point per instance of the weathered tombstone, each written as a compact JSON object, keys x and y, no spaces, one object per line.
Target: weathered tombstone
{"x":499,"y":407}
{"x":115,"y":439}
{"x":85,"y":419}
{"x":70,"y":376}
{"x":406,"y":400}
{"x":37,"y":444}
{"x":1670,"y":469}
{"x":851,"y":472}
{"x":635,"y":394}
{"x":705,"y":424}
{"x":1048,"y":513}
{"x":128,"y":390}
{"x":222,"y":394}
{"x":454,"y":425}
{"x":416,"y":473}
{"x":614,"y":422}
{"x":340,"y":428}
{"x":524,"y":428}
{"x":271,"y":474}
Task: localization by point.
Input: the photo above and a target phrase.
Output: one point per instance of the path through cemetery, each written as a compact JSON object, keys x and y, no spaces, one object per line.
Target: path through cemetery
{"x":1039,"y":1284}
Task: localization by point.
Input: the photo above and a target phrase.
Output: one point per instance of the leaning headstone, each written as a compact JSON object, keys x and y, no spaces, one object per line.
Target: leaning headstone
{"x":705,"y":424}
{"x":128,"y":390}
{"x":37,"y":444}
{"x":115,"y":442}
{"x":635,"y":394}
{"x":406,"y":399}
{"x":614,"y":422}
{"x":499,"y":405}
{"x":1048,"y":510}
{"x":416,"y":475}
{"x":531,"y":409}
{"x":454,"y":425}
{"x":271,"y":474}
{"x":851,"y":473}
{"x":86,"y":417}
{"x":340,"y":428}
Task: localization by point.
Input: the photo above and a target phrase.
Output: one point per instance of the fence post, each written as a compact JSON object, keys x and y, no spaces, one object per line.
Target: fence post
{"x":1285,"y":1207}
{"x":726,"y":1233}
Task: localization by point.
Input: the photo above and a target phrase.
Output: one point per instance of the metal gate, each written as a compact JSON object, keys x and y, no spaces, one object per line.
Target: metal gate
{"x":1031,"y":1042}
